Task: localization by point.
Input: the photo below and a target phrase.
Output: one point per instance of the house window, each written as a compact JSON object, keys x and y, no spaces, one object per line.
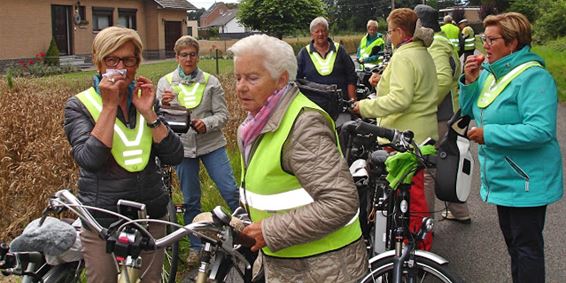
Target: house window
{"x":127,"y":18}
{"x":101,"y":18}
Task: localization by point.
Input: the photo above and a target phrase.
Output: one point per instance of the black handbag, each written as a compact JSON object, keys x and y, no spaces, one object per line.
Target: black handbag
{"x":454,"y":163}
{"x":177,"y":117}
{"x":325,"y":96}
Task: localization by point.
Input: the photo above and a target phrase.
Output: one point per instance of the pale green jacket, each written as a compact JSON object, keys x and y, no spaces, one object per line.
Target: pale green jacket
{"x":441,"y":51}
{"x":406,"y":93}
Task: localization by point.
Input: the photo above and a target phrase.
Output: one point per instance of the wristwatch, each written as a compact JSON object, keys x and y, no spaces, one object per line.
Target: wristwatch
{"x":154,"y":124}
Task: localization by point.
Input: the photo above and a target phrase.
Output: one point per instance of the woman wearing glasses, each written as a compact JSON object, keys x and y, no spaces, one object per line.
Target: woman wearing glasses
{"x":406,"y":92}
{"x":203,"y":95}
{"x":513,"y":99}
{"x":103,"y":124}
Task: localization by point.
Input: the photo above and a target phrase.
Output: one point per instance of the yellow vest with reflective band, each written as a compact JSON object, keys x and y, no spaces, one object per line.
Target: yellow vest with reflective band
{"x":365,"y":50}
{"x":452,"y":32}
{"x":469,"y":38}
{"x":323,"y":66}
{"x":190,"y":95}
{"x":269,"y":190}
{"x":130,"y":147}
{"x":492,"y":88}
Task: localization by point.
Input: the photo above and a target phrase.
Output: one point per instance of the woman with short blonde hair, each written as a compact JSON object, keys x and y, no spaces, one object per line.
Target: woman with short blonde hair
{"x":112,"y":38}
{"x":514,"y":101}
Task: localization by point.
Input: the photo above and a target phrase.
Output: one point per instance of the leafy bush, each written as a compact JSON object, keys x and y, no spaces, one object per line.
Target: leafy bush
{"x":52,"y":56}
{"x":550,"y":24}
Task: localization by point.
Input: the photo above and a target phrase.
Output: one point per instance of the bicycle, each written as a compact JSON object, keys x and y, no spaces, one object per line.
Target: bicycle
{"x":126,"y":239}
{"x":392,"y":247}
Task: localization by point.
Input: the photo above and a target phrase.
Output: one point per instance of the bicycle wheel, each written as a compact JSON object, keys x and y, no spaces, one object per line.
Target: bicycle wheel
{"x":426,"y":271}
{"x":70,"y":272}
{"x":171,"y":259}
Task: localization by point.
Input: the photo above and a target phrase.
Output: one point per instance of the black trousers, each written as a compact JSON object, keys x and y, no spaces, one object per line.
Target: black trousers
{"x":522,"y":229}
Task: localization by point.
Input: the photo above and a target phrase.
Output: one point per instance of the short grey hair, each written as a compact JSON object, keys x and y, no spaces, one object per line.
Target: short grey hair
{"x":447,"y":19}
{"x":372,"y":23}
{"x":277,"y":55}
{"x":319,"y":21}
{"x":184,"y":42}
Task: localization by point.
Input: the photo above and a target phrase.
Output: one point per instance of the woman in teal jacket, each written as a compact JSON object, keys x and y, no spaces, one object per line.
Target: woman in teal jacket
{"x":514,"y":102}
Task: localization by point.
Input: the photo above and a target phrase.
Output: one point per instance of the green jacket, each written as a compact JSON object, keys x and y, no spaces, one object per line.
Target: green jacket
{"x":407,"y":93}
{"x":442,"y":51}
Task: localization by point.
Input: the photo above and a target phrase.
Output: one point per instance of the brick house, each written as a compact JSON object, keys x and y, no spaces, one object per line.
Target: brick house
{"x":26,"y":27}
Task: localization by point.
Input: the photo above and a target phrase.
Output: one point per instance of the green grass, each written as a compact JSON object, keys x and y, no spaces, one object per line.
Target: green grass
{"x":554,"y":54}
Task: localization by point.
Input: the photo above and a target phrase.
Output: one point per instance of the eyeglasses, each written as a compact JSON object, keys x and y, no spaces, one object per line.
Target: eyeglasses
{"x":489,"y":40}
{"x":113,"y":61}
{"x":186,"y":55}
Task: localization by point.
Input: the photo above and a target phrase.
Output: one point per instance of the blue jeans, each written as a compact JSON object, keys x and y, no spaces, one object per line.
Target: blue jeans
{"x":220,"y":171}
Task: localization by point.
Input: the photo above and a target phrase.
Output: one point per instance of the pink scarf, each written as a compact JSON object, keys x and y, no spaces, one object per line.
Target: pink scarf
{"x":251,"y":128}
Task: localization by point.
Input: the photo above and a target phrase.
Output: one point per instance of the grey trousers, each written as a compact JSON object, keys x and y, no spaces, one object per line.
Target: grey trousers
{"x":101,"y":267}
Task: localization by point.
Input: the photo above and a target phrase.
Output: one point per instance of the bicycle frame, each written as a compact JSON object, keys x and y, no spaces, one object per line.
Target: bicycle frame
{"x":399,"y":241}
{"x":219,"y":237}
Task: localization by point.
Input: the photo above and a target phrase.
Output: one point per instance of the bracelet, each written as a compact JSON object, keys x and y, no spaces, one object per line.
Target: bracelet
{"x":154,"y":124}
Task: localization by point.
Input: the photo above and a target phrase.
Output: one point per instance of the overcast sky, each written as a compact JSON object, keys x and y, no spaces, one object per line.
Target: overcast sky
{"x":207,"y":3}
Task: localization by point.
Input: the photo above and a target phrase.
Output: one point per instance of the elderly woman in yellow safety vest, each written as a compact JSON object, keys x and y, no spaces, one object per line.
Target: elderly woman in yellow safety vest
{"x":370,"y":45}
{"x":295,"y":184}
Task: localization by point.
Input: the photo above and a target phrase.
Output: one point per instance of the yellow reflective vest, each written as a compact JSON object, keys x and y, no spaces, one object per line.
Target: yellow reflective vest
{"x":130,"y":147}
{"x":453,"y":33}
{"x":323,"y":66}
{"x":189,"y":96}
{"x":268,"y":190}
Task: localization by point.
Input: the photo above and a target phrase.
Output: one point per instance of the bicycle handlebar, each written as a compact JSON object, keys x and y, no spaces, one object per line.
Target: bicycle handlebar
{"x":66,"y":199}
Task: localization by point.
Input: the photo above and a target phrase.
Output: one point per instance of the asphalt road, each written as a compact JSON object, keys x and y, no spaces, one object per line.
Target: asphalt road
{"x":477,"y":252}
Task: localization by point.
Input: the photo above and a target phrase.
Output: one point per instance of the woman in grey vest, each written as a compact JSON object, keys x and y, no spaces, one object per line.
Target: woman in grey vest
{"x":203,"y":95}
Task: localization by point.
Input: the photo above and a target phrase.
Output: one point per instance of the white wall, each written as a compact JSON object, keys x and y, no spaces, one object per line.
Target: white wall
{"x":233,"y":26}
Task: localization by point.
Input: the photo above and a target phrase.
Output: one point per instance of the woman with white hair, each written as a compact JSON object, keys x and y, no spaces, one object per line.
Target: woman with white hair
{"x":295,"y":184}
{"x":370,"y":45}
{"x":326,"y":62}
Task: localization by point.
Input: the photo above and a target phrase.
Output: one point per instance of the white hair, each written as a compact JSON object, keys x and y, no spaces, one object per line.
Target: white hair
{"x":372,"y":23}
{"x":319,"y":21}
{"x":277,"y":55}
{"x":447,"y":19}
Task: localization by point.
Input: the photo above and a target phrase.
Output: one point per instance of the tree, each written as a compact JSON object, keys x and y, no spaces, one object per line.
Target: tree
{"x":278,"y":18}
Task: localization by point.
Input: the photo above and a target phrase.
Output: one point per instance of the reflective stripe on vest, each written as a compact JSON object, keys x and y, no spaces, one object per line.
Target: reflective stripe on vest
{"x":492,"y":88}
{"x":323,"y":66}
{"x":269,"y":190}
{"x":190,"y":95}
{"x":469,"y":38}
{"x":365,"y":50}
{"x":130,"y":147}
{"x":452,"y":33}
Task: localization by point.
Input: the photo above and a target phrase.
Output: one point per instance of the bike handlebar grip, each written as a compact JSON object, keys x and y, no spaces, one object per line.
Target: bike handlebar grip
{"x":367,"y":128}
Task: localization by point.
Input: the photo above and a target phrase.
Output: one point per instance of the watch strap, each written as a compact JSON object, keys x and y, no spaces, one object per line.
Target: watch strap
{"x":154,"y":124}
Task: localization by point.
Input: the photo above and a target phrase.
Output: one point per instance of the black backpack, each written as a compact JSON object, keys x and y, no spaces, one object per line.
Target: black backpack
{"x":455,"y":163}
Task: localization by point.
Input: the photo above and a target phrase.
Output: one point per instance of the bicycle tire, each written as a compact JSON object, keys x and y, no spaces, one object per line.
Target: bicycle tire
{"x":427,"y":271}
{"x":171,"y":258}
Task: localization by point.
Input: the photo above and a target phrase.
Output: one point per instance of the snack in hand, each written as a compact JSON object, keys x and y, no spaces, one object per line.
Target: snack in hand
{"x":480,"y":58}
